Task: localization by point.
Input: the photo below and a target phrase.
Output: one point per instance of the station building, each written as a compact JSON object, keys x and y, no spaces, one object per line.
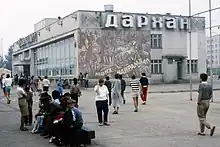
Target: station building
{"x":105,"y":42}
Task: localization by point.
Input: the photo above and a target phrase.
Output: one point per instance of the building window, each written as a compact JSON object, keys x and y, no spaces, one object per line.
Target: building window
{"x":156,"y":41}
{"x":194,"y":66}
{"x":156,"y":66}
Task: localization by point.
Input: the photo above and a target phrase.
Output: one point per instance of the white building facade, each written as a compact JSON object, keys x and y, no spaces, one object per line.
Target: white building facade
{"x":215,"y":53}
{"x":106,"y":42}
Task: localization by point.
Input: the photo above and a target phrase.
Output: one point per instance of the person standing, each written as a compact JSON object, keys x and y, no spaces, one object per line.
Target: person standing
{"x":60,"y":86}
{"x":46,"y":84}
{"x":101,"y":101}
{"x":16,"y":79}
{"x":39,"y":85}
{"x":33,"y":85}
{"x":75,"y":92}
{"x":123,"y":87}
{"x":29,"y":93}
{"x":204,"y":97}
{"x":81,"y":79}
{"x":108,"y":84}
{"x":135,"y":85}
{"x":7,"y":84}
{"x":144,"y":88}
{"x":86,"y":80}
{"x":116,"y":94}
{"x":22,"y":102}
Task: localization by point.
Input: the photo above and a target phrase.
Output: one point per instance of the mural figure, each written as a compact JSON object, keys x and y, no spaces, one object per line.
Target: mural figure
{"x":105,"y":52}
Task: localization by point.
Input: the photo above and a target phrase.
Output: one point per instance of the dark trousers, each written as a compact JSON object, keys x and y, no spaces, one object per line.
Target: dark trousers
{"x":110,"y":97}
{"x":29,"y":118}
{"x":102,"y":106}
{"x":122,"y":94}
{"x":75,"y":97}
{"x":86,"y":83}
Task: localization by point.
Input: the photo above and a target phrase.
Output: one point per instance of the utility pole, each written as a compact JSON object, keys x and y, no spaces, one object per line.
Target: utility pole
{"x":210,"y":33}
{"x":190,"y":47}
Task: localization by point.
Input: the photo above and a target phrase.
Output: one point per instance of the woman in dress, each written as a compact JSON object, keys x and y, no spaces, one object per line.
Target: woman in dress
{"x":116,"y":94}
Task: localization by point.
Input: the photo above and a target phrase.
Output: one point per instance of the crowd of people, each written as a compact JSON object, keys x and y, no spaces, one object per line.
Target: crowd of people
{"x":59,"y":116}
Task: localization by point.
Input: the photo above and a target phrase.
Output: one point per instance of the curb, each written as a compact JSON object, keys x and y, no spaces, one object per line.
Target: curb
{"x":179,"y":91}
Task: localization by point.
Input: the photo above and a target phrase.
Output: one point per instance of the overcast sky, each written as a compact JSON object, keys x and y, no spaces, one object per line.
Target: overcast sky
{"x":19,"y":16}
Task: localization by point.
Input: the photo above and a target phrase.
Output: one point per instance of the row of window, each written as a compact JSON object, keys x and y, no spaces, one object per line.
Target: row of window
{"x":216,"y":46}
{"x":56,"y":59}
{"x":156,"y":66}
{"x":194,"y":66}
{"x":215,"y":40}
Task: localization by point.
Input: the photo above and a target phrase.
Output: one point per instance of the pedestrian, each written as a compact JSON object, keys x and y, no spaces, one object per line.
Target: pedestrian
{"x":116,"y":94}
{"x":108,"y":84}
{"x":81,"y":79}
{"x":16,"y":79}
{"x":204,"y":97}
{"x":144,"y":88}
{"x":123,"y":87}
{"x":46,"y":84}
{"x":135,"y":87}
{"x":39,"y":85}
{"x":33,"y":85}
{"x":86,"y":80}
{"x":7,"y":84}
{"x":29,"y":93}
{"x":75,"y":91}
{"x":101,"y":101}
{"x":22,"y":102}
{"x":60,"y":86}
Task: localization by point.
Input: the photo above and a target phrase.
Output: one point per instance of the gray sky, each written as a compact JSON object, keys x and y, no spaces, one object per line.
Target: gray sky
{"x":19,"y":16}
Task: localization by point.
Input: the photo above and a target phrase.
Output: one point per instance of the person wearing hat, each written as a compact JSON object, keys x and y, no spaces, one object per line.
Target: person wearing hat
{"x":22,"y":102}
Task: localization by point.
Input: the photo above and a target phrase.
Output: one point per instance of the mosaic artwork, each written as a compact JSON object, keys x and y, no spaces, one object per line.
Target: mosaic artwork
{"x":106,"y":52}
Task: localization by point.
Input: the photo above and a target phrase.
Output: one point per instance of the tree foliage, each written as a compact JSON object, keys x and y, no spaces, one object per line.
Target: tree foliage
{"x":2,"y":62}
{"x":8,"y":59}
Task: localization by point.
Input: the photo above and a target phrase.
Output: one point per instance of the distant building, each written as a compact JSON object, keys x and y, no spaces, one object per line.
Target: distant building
{"x":105,"y":42}
{"x":215,"y":53}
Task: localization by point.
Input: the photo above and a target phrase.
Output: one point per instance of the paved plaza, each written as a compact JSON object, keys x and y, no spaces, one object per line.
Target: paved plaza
{"x":168,"y":120}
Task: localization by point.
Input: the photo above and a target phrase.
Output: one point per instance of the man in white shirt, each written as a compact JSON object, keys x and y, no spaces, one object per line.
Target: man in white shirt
{"x":102,"y":102}
{"x":7,"y":83}
{"x":46,"y":84}
{"x":22,"y":102}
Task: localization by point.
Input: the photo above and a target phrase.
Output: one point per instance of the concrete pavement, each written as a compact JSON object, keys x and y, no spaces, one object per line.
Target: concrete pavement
{"x":168,"y":120}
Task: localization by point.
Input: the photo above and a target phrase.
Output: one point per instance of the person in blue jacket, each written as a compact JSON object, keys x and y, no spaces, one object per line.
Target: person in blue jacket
{"x":60,"y":86}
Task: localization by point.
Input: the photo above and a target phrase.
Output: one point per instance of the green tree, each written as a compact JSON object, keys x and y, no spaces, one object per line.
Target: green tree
{"x":8,"y":59}
{"x":2,"y":62}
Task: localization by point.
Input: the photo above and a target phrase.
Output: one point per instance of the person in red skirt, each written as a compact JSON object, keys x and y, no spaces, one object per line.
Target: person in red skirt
{"x":144,"y":88}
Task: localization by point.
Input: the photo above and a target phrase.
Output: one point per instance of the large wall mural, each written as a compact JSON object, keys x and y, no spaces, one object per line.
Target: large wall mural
{"x":106,"y":52}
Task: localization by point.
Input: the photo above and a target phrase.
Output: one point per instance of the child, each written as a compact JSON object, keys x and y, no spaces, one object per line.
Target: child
{"x":135,"y":91}
{"x":75,"y":91}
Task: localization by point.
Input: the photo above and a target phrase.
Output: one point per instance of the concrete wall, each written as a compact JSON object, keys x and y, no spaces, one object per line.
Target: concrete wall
{"x":69,"y":23}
